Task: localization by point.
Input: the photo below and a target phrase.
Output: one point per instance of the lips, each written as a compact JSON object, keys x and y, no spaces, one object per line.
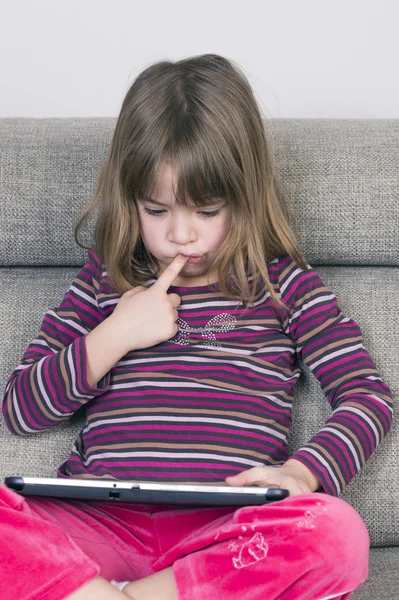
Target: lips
{"x":195,"y":259}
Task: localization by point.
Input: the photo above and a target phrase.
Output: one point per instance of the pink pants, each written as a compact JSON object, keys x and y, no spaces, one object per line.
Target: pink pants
{"x":308,"y":547}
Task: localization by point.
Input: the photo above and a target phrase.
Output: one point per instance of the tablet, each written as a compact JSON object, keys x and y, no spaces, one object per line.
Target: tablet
{"x":144,"y":493}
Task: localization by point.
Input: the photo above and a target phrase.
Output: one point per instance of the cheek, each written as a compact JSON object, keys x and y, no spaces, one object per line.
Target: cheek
{"x":148,"y":230}
{"x":223,"y":230}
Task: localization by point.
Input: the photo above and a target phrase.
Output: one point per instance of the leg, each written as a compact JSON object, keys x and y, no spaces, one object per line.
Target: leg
{"x":97,"y":589}
{"x":160,"y":586}
{"x":309,"y":547}
{"x":51,"y":548}
{"x":37,"y":559}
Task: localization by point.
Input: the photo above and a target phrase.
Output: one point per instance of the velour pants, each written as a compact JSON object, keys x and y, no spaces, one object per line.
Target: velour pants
{"x":307,"y":547}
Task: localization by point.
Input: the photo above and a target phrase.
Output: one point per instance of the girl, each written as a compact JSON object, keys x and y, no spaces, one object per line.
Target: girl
{"x":181,"y":338}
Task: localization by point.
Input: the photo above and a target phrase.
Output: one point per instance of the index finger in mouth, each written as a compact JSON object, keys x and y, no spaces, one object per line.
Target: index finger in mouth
{"x":166,"y":279}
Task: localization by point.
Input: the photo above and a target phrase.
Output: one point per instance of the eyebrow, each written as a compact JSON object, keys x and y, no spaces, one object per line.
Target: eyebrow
{"x":153,"y":201}
{"x":147,"y":199}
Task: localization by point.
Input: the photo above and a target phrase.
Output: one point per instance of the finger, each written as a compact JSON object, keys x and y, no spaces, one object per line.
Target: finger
{"x":171,"y":272}
{"x":174,"y":299}
{"x":253,"y":476}
{"x":136,"y":290}
{"x":243,"y":478}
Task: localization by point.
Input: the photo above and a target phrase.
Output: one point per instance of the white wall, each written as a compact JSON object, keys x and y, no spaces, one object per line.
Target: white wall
{"x":303,"y":58}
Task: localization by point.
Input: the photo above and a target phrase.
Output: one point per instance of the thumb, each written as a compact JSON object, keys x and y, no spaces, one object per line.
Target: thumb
{"x":136,"y":290}
{"x":240,"y":479}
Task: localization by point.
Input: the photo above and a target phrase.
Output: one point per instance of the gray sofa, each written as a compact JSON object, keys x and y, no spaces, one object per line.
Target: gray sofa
{"x":341,"y":179}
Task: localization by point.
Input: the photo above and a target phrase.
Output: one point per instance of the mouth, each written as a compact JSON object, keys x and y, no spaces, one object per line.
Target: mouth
{"x":194,"y":259}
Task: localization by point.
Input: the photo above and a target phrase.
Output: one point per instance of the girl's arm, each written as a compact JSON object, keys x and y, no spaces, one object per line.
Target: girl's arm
{"x":331,"y":345}
{"x":52,"y":381}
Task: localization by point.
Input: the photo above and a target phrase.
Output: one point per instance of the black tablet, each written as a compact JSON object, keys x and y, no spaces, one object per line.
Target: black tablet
{"x":144,"y":493}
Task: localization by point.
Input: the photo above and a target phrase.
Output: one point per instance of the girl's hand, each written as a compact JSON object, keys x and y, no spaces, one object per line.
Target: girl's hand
{"x":292,"y":476}
{"x":145,"y":317}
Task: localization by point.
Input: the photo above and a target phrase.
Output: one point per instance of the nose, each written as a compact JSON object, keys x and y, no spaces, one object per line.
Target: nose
{"x":181,"y":230}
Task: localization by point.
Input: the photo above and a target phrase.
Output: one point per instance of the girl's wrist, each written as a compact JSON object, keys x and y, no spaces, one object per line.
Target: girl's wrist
{"x":300,"y":470}
{"x":118,"y":334}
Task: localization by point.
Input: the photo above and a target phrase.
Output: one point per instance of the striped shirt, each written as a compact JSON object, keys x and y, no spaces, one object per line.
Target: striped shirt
{"x":214,"y":400}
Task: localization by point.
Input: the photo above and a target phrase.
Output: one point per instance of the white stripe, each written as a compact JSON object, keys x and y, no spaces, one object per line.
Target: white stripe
{"x":191,"y":359}
{"x":343,"y":437}
{"x":284,"y":286}
{"x":19,"y":416}
{"x":381,"y":401}
{"x":178,"y":386}
{"x":192,"y":420}
{"x":263,"y":299}
{"x":40,"y":342}
{"x":344,"y":320}
{"x":43,"y":391}
{"x":324,"y":462}
{"x":172,"y":456}
{"x":68,"y":321}
{"x":22,"y":367}
{"x":73,"y":376}
{"x":85,"y":296}
{"x":108,"y":302}
{"x":311,"y":303}
{"x":196,"y":386}
{"x":335,"y":354}
{"x":209,"y":304}
{"x":362,"y":415}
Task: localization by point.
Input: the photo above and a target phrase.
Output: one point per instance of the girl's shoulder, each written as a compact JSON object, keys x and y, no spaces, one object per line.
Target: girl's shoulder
{"x":95,"y":260}
{"x":284,"y":266}
{"x":295,"y":281}
{"x":99,"y":273}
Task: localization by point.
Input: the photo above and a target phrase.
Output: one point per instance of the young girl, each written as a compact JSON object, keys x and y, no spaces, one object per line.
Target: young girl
{"x":181,"y":338}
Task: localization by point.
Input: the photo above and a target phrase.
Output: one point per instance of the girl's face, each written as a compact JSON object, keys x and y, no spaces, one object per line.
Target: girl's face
{"x":168,"y":229}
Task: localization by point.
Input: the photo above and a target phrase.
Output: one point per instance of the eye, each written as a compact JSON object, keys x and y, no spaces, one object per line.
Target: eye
{"x":158,"y":213}
{"x":155,"y":213}
{"x":212,"y":213}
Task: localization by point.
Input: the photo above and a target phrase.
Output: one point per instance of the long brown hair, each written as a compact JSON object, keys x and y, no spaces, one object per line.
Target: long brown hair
{"x":200,"y":115}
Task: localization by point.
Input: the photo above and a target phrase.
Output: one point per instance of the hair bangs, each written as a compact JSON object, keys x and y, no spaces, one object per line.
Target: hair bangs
{"x":199,"y":176}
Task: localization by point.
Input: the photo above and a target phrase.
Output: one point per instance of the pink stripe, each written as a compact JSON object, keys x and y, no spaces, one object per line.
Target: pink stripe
{"x":335,"y":446}
{"x":58,"y":399}
{"x":251,"y":434}
{"x":79,"y":354}
{"x":219,"y":441}
{"x":201,"y":400}
{"x":308,"y":277}
{"x":163,"y":476}
{"x":342,"y":361}
{"x":314,"y":312}
{"x":24,"y":392}
{"x":349,"y":418}
{"x":169,"y":464}
{"x":201,"y":408}
{"x":85,"y":306}
{"x":47,"y":381}
{"x":349,"y":329}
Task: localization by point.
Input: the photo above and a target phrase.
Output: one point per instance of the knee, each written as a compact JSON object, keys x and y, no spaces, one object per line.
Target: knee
{"x":341,"y":536}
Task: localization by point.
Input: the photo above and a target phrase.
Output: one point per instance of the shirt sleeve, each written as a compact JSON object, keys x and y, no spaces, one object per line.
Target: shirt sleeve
{"x":50,"y":383}
{"x":331,"y":345}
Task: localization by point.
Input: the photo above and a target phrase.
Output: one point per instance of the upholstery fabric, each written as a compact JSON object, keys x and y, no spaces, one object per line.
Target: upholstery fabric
{"x":341,"y":181}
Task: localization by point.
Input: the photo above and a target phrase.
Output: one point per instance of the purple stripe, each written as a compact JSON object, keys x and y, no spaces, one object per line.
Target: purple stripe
{"x":201,"y":400}
{"x":171,"y":464}
{"x":149,"y":427}
{"x":124,"y":437}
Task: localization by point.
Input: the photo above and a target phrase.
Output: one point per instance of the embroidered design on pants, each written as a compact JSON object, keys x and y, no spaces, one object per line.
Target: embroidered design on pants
{"x":249,"y":553}
{"x":219,"y":324}
{"x":307,"y":521}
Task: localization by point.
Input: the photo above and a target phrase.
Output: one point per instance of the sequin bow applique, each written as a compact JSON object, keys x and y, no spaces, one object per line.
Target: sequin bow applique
{"x":219,"y":324}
